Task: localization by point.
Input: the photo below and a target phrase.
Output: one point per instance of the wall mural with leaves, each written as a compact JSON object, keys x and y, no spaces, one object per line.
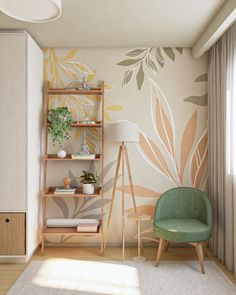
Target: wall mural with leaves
{"x":164,"y":90}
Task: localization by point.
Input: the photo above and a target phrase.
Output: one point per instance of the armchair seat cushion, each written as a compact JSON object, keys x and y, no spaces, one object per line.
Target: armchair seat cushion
{"x":182,"y":230}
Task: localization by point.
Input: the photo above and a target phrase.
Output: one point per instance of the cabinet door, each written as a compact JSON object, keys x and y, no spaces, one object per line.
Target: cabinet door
{"x":12,"y":237}
{"x":13,"y":122}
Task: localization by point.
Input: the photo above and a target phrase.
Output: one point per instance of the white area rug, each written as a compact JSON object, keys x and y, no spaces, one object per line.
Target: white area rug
{"x":76,"y":277}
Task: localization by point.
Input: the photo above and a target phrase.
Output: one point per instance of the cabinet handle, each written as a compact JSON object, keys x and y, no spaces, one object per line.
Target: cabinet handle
{"x":7,"y":220}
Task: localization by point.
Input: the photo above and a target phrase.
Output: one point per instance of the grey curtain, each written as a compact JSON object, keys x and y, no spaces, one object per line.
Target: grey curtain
{"x":222,"y":146}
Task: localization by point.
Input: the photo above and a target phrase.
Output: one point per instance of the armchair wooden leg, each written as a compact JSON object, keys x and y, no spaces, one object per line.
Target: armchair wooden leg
{"x":199,"y":249}
{"x":162,"y":244}
{"x":166,"y":246}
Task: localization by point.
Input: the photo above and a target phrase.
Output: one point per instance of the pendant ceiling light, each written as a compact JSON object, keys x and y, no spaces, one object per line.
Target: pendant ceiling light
{"x":34,"y":11}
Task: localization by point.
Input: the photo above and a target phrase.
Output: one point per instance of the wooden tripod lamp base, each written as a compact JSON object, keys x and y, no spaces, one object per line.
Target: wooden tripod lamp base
{"x":122,"y":132}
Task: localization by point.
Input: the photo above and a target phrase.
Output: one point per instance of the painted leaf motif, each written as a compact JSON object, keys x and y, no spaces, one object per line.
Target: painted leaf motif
{"x":108,"y":167}
{"x":140,"y":191}
{"x":159,"y":55}
{"x":164,"y":123}
{"x":199,"y":160}
{"x":108,"y":86}
{"x":179,"y":49}
{"x":198,"y":100}
{"x":136,"y":52}
{"x":62,"y":205}
{"x":82,"y":67}
{"x":147,"y":209}
{"x":74,"y":181}
{"x":70,"y":73}
{"x":202,"y":78}
{"x":71,"y":54}
{"x":170,"y":53}
{"x":108,"y":185}
{"x":187,"y":142}
{"x":91,"y":76}
{"x":153,"y":153}
{"x":95,"y":132}
{"x":95,"y":205}
{"x":150,"y":63}
{"x":127,"y":77}
{"x":164,"y":128}
{"x":107,"y":116}
{"x":128,"y":62}
{"x":140,"y":77}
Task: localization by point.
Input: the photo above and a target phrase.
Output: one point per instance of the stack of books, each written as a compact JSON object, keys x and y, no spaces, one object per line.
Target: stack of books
{"x":65,"y":191}
{"x":83,"y":156}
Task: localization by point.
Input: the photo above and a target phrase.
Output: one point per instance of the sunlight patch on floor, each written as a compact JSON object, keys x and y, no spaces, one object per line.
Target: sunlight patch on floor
{"x":88,"y":276}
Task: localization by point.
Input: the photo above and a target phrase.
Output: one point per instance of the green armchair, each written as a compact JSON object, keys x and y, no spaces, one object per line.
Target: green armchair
{"x":183,"y":215}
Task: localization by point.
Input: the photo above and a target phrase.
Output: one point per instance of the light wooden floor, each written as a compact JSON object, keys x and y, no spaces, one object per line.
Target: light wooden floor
{"x":10,"y":272}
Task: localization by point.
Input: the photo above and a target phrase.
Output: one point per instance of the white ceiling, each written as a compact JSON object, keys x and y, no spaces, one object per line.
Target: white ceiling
{"x":122,"y":23}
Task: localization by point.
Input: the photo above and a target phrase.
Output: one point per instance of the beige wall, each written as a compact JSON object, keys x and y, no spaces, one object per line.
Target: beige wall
{"x":164,"y":91}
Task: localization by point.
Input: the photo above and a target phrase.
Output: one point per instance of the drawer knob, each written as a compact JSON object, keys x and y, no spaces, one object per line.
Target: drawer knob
{"x":7,"y":220}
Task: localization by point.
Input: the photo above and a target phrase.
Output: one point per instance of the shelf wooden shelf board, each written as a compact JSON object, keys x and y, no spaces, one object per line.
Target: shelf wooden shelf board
{"x":53,"y":157}
{"x":61,"y":91}
{"x":75,"y":124}
{"x":78,"y":193}
{"x":70,"y":231}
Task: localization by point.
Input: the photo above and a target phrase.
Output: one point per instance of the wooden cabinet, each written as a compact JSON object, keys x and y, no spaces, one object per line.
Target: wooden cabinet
{"x":21,"y":97}
{"x":12,"y":229}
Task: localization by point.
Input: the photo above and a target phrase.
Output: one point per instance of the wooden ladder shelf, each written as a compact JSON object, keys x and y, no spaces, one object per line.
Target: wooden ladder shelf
{"x":48,"y":192}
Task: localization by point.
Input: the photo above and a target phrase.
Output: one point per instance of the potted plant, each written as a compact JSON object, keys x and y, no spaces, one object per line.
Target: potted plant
{"x":59,"y":129}
{"x":88,"y":179}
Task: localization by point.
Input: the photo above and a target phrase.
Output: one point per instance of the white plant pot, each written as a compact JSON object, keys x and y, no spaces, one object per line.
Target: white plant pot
{"x":88,"y":188}
{"x":61,"y":154}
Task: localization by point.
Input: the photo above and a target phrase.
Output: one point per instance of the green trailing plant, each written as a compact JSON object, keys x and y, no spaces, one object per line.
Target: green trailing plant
{"x":59,"y":129}
{"x":88,"y":177}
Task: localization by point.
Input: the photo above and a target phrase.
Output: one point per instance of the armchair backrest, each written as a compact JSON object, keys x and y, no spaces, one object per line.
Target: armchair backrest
{"x":184,"y":202}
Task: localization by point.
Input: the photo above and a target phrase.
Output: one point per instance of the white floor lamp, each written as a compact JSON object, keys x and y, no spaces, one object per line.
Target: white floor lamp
{"x":122,"y":132}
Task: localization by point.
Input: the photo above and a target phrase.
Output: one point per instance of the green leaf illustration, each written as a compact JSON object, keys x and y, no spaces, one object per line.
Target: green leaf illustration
{"x":151,"y":64}
{"x":140,"y":77}
{"x":180,"y":49}
{"x":202,"y":78}
{"x":62,"y":205}
{"x":170,"y":53}
{"x":136,"y":52}
{"x":95,"y":205}
{"x":128,"y":62}
{"x":127,"y":77}
{"x":198,"y":100}
{"x":159,"y":57}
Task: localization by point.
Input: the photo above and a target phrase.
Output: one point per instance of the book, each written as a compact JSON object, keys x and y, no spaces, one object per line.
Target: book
{"x":63,"y":189}
{"x":83,"y":157}
{"x":87,"y":227}
{"x":64,"y":193}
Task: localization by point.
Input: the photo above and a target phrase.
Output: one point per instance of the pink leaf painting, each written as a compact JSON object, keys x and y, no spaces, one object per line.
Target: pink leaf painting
{"x":187,"y":142}
{"x":164,"y":128}
{"x":140,"y":191}
{"x":199,"y":161}
{"x":153,"y":153}
{"x":162,"y":118}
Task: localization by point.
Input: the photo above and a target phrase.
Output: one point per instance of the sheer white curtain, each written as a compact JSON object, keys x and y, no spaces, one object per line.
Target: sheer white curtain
{"x":222,"y":146}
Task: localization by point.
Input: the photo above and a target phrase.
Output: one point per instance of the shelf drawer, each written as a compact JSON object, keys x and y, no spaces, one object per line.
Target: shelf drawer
{"x":12,"y":233}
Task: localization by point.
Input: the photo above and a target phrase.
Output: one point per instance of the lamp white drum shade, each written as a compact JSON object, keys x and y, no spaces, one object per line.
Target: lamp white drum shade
{"x":34,"y":11}
{"x":123,"y":131}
